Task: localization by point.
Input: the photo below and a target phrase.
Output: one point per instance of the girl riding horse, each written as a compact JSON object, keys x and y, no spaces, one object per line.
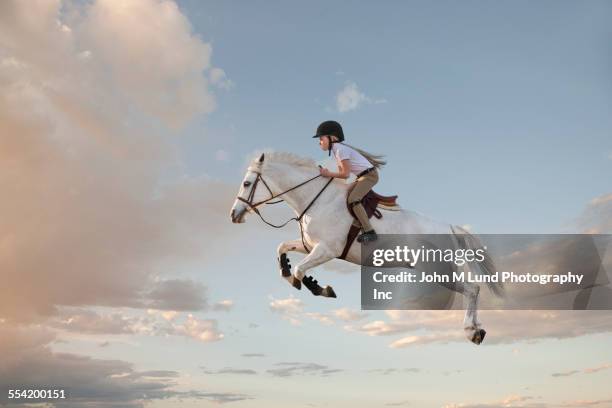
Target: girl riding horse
{"x":351,"y":160}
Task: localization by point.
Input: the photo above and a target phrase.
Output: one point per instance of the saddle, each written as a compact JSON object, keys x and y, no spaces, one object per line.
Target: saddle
{"x":371,"y":202}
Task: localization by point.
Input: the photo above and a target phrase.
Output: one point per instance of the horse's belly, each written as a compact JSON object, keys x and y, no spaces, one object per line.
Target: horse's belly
{"x":399,"y":222}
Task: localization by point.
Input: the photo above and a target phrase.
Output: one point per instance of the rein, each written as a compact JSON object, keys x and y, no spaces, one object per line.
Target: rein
{"x":253,"y":206}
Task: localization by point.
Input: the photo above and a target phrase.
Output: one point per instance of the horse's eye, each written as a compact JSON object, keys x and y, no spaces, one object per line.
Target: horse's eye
{"x":246,"y":183}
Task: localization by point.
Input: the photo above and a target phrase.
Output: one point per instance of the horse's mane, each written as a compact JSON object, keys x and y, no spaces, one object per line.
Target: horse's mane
{"x":272,"y":157}
{"x":287,"y":158}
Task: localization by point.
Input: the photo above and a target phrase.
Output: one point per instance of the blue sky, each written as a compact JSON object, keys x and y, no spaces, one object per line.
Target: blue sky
{"x":502,"y":106}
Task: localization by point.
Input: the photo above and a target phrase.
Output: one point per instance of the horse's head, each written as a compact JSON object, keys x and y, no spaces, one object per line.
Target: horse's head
{"x":252,"y":190}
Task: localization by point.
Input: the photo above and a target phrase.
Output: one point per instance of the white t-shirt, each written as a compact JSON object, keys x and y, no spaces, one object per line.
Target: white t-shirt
{"x":357,"y":161}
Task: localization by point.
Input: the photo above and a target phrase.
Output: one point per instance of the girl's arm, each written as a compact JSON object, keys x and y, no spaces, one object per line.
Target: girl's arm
{"x":343,"y":173}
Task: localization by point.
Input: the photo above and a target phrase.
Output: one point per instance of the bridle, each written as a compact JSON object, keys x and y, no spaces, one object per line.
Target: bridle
{"x":253,"y":206}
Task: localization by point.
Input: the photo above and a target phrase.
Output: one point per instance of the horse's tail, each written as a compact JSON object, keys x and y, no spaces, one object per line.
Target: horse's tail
{"x":487,"y":266}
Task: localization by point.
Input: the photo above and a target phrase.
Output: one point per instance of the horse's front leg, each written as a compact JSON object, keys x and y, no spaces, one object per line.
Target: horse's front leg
{"x":283,"y":260}
{"x":319,"y":254}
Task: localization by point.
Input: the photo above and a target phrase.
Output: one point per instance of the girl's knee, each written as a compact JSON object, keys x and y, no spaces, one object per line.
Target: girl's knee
{"x":353,"y":198}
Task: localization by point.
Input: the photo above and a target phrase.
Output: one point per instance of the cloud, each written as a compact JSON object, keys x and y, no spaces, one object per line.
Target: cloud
{"x":227,"y":370}
{"x":218,"y":78}
{"x":565,"y":373}
{"x":224,"y":305}
{"x":587,"y":403}
{"x":91,"y":215}
{"x":154,"y":323}
{"x":350,"y":98}
{"x":290,"y":309}
{"x":450,"y":372}
{"x":169,"y":315}
{"x":518,"y":401}
{"x":503,"y":327}
{"x":283,"y":369}
{"x":398,"y":404}
{"x":216,"y":397}
{"x":597,"y":217}
{"x":420,"y":327}
{"x":249,"y":355}
{"x":86,"y":219}
{"x":349,"y":315}
{"x":288,"y":305}
{"x":597,"y":369}
{"x":205,"y":330}
{"x":552,"y":255}
{"x":320,"y":317}
{"x":91,"y":322}
{"x":28,"y":361}
{"x":405,"y":321}
{"x":175,"y":294}
{"x":388,"y":371}
{"x":415,"y":340}
{"x":510,"y":401}
{"x":158,"y":65}
{"x":588,"y":370}
{"x":289,"y":369}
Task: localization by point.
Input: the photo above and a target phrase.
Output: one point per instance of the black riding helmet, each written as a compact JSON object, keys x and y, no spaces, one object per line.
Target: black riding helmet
{"x":330,"y":128}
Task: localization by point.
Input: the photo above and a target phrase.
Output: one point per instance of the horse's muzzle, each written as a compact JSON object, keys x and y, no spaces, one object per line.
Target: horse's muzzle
{"x":237,"y":216}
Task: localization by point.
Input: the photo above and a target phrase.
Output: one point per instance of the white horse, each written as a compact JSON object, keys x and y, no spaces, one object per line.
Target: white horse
{"x":320,"y":205}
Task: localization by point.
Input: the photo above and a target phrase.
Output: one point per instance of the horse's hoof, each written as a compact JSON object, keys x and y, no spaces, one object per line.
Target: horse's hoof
{"x":478,"y":336}
{"x":295,"y":282}
{"x":328,"y":292}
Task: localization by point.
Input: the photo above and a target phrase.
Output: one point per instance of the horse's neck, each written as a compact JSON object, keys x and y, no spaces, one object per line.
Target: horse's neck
{"x":285,"y":177}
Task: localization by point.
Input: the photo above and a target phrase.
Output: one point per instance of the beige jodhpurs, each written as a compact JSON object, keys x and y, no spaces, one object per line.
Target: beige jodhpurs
{"x":362,"y":185}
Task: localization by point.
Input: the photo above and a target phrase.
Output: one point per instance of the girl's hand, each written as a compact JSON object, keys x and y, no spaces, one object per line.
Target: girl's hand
{"x":324,"y":172}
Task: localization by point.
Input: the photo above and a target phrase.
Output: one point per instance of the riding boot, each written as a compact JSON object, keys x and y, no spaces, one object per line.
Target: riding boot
{"x":368,"y":236}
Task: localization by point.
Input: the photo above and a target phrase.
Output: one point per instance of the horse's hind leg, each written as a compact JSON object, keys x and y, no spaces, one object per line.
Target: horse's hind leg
{"x":319,"y":254}
{"x":283,"y":261}
{"x":471,"y":325}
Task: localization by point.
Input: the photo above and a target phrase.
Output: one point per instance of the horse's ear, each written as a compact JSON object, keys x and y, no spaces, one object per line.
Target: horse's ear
{"x":261,"y":158}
